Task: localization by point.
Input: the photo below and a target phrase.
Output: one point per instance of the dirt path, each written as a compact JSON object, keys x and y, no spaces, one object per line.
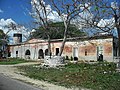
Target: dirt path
{"x":11,"y":71}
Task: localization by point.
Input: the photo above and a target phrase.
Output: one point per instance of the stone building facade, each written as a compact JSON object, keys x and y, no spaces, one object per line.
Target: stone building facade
{"x":81,"y":48}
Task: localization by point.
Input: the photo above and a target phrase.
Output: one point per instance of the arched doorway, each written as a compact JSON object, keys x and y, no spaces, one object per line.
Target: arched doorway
{"x":27,"y":54}
{"x":40,"y":54}
{"x":46,"y":52}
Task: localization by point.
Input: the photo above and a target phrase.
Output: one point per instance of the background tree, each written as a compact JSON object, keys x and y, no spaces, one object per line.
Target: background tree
{"x":3,"y":43}
{"x":1,"y":34}
{"x":11,"y":26}
{"x":57,"y":31}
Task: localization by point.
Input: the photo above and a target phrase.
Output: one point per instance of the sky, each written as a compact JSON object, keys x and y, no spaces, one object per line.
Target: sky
{"x":17,"y":10}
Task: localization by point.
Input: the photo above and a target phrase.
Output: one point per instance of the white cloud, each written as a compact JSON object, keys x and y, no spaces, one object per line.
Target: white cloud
{"x":54,"y":16}
{"x":4,"y":23}
{"x":1,"y":11}
{"x":106,"y":22}
{"x":82,"y":20}
{"x":114,"y":5}
{"x":85,"y":6}
{"x":19,"y":29}
{"x":86,"y":16}
{"x":51,"y":14}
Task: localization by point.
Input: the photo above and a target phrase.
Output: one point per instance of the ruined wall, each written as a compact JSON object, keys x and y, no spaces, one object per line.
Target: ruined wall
{"x":32,"y":46}
{"x":68,"y":49}
{"x":83,"y":50}
{"x":108,"y":50}
{"x":87,"y":51}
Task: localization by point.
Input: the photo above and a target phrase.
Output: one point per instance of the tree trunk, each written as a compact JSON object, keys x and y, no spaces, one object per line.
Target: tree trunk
{"x":62,"y":46}
{"x":118,"y":30}
{"x":117,"y":25}
{"x":49,"y":46}
{"x":64,"y":41}
{"x":4,"y":47}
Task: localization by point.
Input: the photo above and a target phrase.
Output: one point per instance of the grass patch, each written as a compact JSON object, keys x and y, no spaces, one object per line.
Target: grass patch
{"x":10,"y":61}
{"x":100,"y":76}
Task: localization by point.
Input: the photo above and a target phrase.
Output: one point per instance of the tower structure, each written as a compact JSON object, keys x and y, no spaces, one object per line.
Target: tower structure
{"x":17,"y":37}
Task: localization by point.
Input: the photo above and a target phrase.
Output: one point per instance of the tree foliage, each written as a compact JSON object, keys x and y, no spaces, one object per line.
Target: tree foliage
{"x":1,"y":34}
{"x":57,"y":31}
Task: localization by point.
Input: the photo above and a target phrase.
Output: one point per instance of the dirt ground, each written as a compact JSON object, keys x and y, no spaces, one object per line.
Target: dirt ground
{"x":12,"y":72}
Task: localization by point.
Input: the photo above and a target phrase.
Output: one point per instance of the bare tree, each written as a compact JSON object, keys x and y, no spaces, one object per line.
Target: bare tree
{"x":41,"y":14}
{"x":89,"y":13}
{"x":67,"y":10}
{"x":102,"y":15}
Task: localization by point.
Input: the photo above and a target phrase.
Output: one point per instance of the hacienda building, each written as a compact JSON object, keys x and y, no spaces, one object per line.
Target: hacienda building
{"x":80,"y":48}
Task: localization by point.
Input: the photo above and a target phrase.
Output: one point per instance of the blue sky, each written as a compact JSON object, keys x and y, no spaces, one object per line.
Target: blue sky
{"x":17,"y":10}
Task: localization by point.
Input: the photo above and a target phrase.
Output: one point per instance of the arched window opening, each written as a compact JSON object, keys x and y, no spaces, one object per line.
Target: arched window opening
{"x":40,"y":54}
{"x":27,"y":54}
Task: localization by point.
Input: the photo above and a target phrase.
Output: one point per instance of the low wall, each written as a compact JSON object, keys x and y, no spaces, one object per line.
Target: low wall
{"x":53,"y":60}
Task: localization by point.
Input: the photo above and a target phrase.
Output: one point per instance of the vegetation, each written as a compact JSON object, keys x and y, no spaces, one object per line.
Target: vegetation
{"x":3,"y":43}
{"x":11,"y":61}
{"x":100,"y":76}
{"x":1,"y":34}
{"x":4,"y":38}
{"x":57,"y":31}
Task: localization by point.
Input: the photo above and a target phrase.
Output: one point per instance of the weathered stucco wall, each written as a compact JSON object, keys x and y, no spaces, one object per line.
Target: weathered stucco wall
{"x":83,"y":50}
